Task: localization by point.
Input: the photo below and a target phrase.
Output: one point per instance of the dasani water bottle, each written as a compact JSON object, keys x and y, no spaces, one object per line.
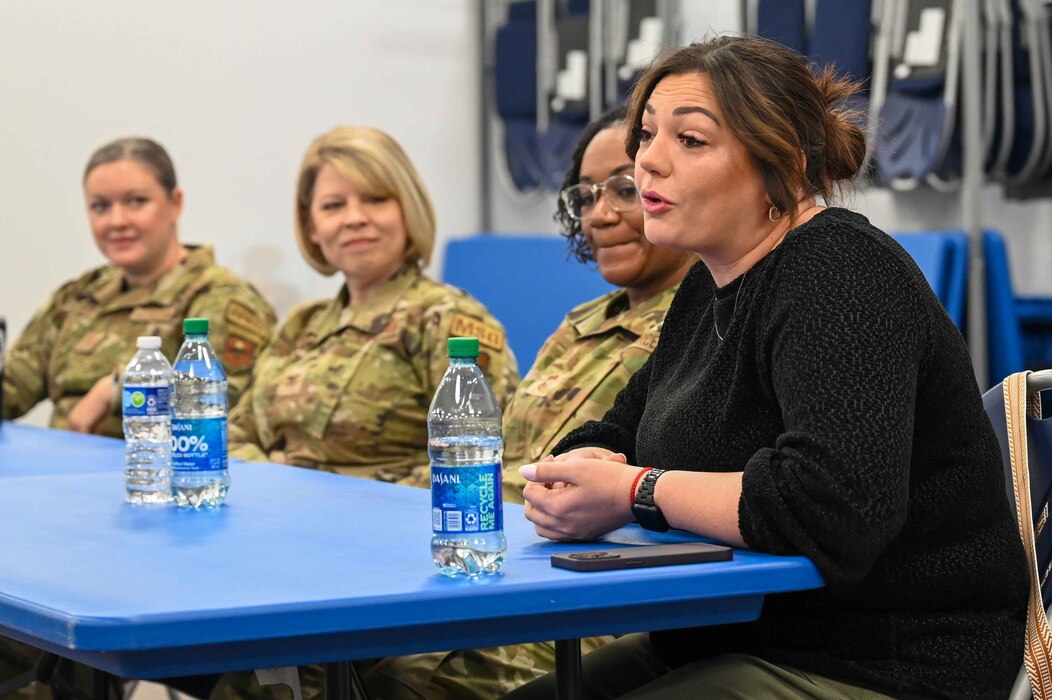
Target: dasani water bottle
{"x":147,"y":424}
{"x":199,"y":432}
{"x":465,"y":446}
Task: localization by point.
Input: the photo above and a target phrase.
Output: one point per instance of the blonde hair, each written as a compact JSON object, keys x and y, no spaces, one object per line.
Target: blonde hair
{"x":377,"y":166}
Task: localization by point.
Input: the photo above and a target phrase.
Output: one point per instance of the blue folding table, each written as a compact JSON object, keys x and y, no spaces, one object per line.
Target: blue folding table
{"x":302,"y":567}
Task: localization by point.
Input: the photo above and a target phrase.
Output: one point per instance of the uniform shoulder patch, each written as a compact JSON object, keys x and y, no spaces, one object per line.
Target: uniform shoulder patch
{"x":238,"y":354}
{"x":488,"y":334}
{"x":647,"y":341}
{"x":246,"y":323}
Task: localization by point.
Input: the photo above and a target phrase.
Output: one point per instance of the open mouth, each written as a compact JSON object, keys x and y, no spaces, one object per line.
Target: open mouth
{"x":653,"y":203}
{"x":653,"y":197}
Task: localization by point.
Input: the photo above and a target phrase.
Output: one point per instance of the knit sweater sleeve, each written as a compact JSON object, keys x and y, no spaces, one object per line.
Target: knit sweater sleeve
{"x":846,"y":334}
{"x":617,"y":429}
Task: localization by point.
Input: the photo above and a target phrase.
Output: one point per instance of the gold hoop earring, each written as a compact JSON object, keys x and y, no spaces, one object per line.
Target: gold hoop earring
{"x":773,"y":214}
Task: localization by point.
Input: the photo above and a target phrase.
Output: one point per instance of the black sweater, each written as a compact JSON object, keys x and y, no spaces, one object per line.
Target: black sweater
{"x":847,"y":396}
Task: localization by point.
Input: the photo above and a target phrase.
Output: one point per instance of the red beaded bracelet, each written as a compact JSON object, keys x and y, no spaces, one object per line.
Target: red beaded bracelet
{"x":635,"y":484}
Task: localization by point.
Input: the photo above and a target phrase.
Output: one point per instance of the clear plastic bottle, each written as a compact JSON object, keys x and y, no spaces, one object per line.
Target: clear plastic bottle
{"x":199,"y":408}
{"x":465,"y":446}
{"x":146,"y":384}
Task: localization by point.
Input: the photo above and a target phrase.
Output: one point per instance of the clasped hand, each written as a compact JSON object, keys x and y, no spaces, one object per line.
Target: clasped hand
{"x":580,"y":494}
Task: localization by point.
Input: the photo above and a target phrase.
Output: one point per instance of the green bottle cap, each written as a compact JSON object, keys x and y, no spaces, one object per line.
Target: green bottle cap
{"x":463,"y":347}
{"x":195,"y":326}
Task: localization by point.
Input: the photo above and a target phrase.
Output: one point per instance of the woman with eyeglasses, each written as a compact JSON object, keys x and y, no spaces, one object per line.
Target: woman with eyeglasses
{"x":603,"y":342}
{"x":575,"y":378}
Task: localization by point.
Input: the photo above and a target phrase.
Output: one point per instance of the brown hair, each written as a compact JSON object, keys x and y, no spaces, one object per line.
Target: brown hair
{"x":377,"y":165}
{"x":776,"y":107}
{"x":145,"y":151}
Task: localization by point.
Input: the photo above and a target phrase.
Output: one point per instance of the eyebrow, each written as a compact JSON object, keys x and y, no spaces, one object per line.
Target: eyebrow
{"x":616,"y":171}
{"x":687,"y":109}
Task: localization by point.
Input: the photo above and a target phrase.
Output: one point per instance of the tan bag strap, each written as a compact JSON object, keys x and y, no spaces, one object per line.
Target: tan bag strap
{"x":1037,"y":655}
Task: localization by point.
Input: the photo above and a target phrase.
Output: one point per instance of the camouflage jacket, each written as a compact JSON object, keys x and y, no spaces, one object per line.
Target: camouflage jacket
{"x":577,"y":374}
{"x":88,"y":329}
{"x":347,"y":388}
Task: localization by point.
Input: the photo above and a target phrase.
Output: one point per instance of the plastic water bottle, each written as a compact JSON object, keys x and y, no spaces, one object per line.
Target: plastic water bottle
{"x":199,"y":405}
{"x":147,"y":424}
{"x":465,"y":446}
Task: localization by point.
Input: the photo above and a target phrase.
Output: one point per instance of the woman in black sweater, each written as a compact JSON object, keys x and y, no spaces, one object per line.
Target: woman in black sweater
{"x":808,"y":395}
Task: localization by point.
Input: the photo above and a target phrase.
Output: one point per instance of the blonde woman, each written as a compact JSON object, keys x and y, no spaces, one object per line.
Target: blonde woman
{"x":346,"y":383}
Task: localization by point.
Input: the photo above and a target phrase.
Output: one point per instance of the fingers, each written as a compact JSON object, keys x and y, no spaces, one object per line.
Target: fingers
{"x":545,"y":524}
{"x":548,"y":472}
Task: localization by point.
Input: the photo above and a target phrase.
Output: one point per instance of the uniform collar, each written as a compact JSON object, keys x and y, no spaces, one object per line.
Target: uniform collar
{"x":371,"y":316}
{"x":111,"y":291}
{"x":611,"y":312}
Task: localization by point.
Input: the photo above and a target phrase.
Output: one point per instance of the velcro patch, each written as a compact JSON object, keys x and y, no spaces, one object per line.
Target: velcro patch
{"x":238,"y":353}
{"x":647,"y":342}
{"x":489,"y":335}
{"x":246,"y":323}
{"x":154,"y":313}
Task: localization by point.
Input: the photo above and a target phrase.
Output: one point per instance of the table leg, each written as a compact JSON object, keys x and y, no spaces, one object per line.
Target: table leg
{"x":101,"y":684}
{"x":568,"y":669}
{"x":342,"y":682}
{"x":338,"y":681}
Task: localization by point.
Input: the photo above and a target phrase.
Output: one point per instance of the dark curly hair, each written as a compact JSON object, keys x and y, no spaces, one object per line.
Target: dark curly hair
{"x":571,"y":229}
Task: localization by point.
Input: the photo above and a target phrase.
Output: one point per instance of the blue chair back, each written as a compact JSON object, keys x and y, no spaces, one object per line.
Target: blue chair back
{"x":1004,"y":339}
{"x":943,"y":258}
{"x":529,"y":282}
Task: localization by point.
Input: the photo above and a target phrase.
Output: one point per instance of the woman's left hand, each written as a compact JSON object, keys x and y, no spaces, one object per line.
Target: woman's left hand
{"x":591,"y":497}
{"x":95,"y":406}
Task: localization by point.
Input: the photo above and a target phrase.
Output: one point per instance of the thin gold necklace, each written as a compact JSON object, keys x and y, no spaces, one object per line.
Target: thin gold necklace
{"x":733,"y":308}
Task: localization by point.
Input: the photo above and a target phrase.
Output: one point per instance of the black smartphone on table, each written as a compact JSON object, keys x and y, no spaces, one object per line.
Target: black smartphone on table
{"x":639,"y":556}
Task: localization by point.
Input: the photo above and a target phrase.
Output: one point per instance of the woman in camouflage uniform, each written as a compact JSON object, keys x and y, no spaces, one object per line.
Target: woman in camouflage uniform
{"x":577,"y":374}
{"x":74,"y":348}
{"x":346,"y":383}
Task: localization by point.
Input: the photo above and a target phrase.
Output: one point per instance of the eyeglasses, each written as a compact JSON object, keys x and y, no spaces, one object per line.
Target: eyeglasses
{"x":620,"y":192}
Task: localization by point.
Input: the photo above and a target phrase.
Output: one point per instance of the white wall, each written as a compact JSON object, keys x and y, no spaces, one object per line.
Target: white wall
{"x":235,"y":91}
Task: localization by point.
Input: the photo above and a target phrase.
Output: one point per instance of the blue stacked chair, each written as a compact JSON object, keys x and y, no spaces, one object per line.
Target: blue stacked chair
{"x":515,"y":74}
{"x":783,"y":21}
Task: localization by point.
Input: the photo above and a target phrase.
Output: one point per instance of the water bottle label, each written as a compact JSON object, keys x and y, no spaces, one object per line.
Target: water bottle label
{"x":142,"y":401}
{"x":466,"y":499}
{"x":199,"y":444}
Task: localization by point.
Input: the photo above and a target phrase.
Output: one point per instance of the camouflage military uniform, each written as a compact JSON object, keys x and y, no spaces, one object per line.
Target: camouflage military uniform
{"x":88,"y":329}
{"x":577,"y":374}
{"x":347,"y":388}
{"x":575,"y":378}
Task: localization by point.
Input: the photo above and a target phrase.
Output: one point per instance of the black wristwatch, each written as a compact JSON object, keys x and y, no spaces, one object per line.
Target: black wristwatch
{"x":648,"y":515}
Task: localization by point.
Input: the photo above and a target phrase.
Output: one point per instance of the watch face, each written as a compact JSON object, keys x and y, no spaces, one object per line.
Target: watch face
{"x":650,"y":517}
